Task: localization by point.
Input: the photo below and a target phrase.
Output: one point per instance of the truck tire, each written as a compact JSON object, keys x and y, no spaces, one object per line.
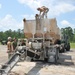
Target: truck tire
{"x":45,"y":59}
{"x":63,"y":50}
{"x":56,"y":58}
{"x":68,"y":47}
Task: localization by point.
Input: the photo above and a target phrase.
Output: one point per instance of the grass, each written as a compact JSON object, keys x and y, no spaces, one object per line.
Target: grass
{"x":72,"y":45}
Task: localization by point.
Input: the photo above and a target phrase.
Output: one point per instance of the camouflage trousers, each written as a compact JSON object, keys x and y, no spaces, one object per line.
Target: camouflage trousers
{"x":10,"y":55}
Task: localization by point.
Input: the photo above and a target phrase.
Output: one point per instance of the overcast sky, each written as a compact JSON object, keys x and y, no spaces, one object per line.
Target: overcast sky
{"x":12,"y":12}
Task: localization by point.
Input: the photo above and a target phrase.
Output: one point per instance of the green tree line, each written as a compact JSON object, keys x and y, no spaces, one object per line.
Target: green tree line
{"x":69,"y":32}
{"x":20,"y":34}
{"x":14,"y":34}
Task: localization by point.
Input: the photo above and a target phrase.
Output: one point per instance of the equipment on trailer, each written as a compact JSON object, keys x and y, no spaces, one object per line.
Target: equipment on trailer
{"x":22,"y":50}
{"x":35,"y":54}
{"x":39,"y":43}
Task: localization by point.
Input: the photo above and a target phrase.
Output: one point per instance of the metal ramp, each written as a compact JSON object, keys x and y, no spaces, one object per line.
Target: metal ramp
{"x":6,"y":68}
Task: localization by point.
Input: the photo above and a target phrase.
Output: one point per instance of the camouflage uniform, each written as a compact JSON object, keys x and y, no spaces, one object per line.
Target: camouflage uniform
{"x":9,"y":48}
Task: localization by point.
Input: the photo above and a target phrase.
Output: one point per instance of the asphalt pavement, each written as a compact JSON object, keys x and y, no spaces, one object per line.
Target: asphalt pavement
{"x":65,"y":66}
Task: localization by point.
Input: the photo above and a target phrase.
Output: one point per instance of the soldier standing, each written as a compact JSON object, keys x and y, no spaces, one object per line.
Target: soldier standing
{"x":14,"y":44}
{"x":9,"y":47}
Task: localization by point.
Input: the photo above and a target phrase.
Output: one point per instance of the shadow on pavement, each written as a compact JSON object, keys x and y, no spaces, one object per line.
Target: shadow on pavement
{"x":65,"y":60}
{"x":35,"y":70}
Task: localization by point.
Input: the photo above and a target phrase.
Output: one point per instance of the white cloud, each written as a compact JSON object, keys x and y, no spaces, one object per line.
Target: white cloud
{"x":56,"y":6}
{"x":8,"y":22}
{"x":63,"y":8}
{"x":33,"y":4}
{"x":65,"y":23}
{"x":29,"y":17}
{"x":0,"y":6}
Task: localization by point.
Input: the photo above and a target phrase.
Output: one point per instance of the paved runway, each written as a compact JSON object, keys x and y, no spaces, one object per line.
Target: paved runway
{"x":65,"y":66}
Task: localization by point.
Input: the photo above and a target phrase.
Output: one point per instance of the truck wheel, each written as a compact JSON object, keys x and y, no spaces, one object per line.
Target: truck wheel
{"x":32,"y":59}
{"x":68,"y":47}
{"x":56,"y":58}
{"x":46,"y":59}
{"x":63,"y":50}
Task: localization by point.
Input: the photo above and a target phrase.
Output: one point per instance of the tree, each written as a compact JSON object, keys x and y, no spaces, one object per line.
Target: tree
{"x":20,"y":33}
{"x":1,"y":36}
{"x":74,"y":35}
{"x":14,"y":34}
{"x":69,"y":32}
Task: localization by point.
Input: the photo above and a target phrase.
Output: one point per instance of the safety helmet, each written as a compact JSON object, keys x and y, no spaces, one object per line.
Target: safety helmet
{"x":9,"y":38}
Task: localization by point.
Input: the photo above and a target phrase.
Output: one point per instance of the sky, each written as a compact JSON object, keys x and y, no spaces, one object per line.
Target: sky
{"x":12,"y":12}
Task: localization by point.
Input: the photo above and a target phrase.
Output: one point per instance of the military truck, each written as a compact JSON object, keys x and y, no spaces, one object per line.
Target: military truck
{"x":41,"y":35}
{"x":65,"y":44}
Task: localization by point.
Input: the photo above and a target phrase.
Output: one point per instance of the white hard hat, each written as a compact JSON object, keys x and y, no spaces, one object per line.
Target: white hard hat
{"x":9,"y":38}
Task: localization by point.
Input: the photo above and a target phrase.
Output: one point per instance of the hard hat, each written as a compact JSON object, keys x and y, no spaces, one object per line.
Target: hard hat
{"x":9,"y":38}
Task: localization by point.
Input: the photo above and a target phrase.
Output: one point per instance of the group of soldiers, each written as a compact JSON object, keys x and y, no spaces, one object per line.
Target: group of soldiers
{"x":11,"y":46}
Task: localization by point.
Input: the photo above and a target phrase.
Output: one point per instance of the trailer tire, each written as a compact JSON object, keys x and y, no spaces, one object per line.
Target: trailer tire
{"x":68,"y":47}
{"x":63,"y":50}
{"x":56,"y":58}
{"x":46,"y":59}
